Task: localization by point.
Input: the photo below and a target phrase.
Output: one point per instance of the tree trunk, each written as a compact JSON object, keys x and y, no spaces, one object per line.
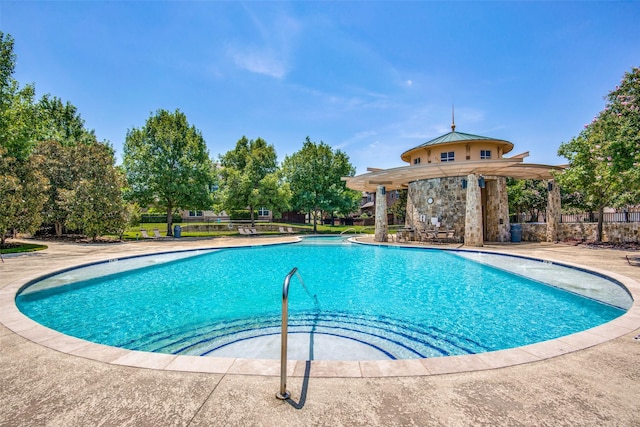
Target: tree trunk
{"x":315,"y":217}
{"x":169,"y":220}
{"x":58,"y":228}
{"x":253,"y":222}
{"x":600,"y":221}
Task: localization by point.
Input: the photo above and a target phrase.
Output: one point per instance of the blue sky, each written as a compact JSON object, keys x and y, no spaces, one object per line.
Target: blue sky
{"x":370,"y":78}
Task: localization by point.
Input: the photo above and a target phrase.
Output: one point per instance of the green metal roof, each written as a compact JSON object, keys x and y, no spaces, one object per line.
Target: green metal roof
{"x":454,"y":137}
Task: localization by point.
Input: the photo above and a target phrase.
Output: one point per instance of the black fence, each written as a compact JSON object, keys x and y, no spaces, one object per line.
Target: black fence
{"x":582,"y":217}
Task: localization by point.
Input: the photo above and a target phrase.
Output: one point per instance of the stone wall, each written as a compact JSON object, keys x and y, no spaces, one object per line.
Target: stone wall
{"x":449,"y":201}
{"x":614,"y":232}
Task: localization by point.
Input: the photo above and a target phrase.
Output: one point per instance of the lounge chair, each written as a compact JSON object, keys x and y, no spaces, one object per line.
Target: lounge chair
{"x":144,"y":234}
{"x":253,"y":232}
{"x":243,"y":232}
{"x":156,"y":233}
{"x":633,"y":260}
{"x":290,"y":230}
{"x":282,"y":230}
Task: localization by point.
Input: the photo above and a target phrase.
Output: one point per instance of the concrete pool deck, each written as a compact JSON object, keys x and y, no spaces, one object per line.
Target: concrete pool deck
{"x":56,"y":380}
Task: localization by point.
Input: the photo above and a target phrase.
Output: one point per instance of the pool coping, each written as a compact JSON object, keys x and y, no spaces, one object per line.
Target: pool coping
{"x":17,"y":322}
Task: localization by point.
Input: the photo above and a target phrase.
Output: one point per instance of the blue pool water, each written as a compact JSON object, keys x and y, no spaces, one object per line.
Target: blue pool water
{"x":405,"y":303}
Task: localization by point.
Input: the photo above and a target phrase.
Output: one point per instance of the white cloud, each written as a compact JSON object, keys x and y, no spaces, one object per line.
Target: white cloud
{"x":261,"y":62}
{"x":271,"y":51}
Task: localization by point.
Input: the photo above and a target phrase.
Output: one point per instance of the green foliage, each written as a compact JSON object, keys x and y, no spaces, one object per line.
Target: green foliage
{"x":527,"y":196}
{"x":604,"y":158}
{"x":250,"y":178}
{"x":399,"y":208}
{"x":17,"y":110}
{"x":61,"y":122}
{"x":158,"y":218}
{"x":167,"y":164}
{"x":14,"y":248}
{"x":315,"y":176}
{"x":21,"y":193}
{"x":94,"y":202}
{"x":237,"y":215}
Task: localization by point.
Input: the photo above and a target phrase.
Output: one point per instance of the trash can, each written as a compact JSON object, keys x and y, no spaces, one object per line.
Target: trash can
{"x":516,"y":233}
{"x":177,"y":231}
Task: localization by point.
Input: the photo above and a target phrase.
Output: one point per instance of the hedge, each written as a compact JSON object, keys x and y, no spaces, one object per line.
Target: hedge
{"x":158,"y":218}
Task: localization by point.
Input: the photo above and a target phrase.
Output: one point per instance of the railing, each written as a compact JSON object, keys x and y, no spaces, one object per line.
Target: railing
{"x":350,"y":228}
{"x":284,"y":394}
{"x":586,"y":217}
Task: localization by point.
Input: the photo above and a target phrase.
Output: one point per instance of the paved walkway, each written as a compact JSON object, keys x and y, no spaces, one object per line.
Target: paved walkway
{"x":599,"y":385}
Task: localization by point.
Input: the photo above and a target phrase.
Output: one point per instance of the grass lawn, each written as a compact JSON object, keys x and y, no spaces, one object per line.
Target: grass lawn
{"x":12,"y":248}
{"x":133,"y":233}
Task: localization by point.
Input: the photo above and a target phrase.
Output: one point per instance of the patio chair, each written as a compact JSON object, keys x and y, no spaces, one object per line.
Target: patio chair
{"x":243,"y":232}
{"x":253,"y":232}
{"x":451,"y":236}
{"x":282,"y":230}
{"x":144,"y":234}
{"x":290,"y":230}
{"x":156,"y":233}
{"x":633,"y":260}
{"x":430,"y":235}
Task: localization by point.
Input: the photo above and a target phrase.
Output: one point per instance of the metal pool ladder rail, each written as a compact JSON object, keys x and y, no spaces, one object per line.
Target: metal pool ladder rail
{"x":283,"y":394}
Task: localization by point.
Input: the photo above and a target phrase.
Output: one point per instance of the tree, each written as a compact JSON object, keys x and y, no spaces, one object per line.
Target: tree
{"x":604,"y":158}
{"x":315,"y":176}
{"x":94,"y":203}
{"x":21,"y":183}
{"x":527,"y":196}
{"x":61,"y":122}
{"x":17,"y":110}
{"x":21,"y":194}
{"x":250,"y":179}
{"x":62,"y":172}
{"x":167,"y":164}
{"x":399,"y":208}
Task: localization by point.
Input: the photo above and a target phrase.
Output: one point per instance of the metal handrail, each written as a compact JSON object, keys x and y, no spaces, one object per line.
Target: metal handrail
{"x":283,"y":394}
{"x":350,"y":228}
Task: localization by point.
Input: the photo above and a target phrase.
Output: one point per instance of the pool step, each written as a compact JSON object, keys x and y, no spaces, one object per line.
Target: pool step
{"x":394,"y":339}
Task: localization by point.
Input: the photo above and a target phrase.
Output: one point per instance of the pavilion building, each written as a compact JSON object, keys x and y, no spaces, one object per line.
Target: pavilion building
{"x":458,"y":182}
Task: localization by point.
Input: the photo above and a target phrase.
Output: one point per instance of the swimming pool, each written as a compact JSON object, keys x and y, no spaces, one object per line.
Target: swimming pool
{"x":371,"y":302}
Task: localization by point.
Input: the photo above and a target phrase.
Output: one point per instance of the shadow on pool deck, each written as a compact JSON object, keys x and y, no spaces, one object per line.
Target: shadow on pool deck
{"x":595,"y":386}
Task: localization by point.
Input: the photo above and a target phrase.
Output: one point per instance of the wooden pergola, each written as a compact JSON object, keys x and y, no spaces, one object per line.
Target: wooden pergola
{"x":400,"y":177}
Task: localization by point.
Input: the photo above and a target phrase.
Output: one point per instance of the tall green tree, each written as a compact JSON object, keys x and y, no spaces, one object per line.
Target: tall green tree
{"x":21,"y":194}
{"x":58,"y":121}
{"x":604,"y":158}
{"x":21,"y":183}
{"x":167,"y":164}
{"x":18,"y":114}
{"x":94,"y":203}
{"x":315,"y":176}
{"x":250,"y":179}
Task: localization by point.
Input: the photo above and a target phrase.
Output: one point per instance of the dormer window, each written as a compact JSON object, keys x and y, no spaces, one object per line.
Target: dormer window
{"x":448,"y":156}
{"x":416,"y":161}
{"x":485,"y":154}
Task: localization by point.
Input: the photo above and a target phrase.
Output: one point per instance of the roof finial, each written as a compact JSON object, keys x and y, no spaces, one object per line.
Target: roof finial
{"x":453,"y":120}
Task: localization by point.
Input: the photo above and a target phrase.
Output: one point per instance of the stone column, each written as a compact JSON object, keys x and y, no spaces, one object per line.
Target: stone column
{"x":504,"y":229}
{"x":553,"y":211}
{"x":473,"y":214}
{"x":382,"y":227}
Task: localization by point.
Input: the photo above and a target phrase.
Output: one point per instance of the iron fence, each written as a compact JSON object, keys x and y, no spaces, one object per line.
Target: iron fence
{"x":587,"y":217}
